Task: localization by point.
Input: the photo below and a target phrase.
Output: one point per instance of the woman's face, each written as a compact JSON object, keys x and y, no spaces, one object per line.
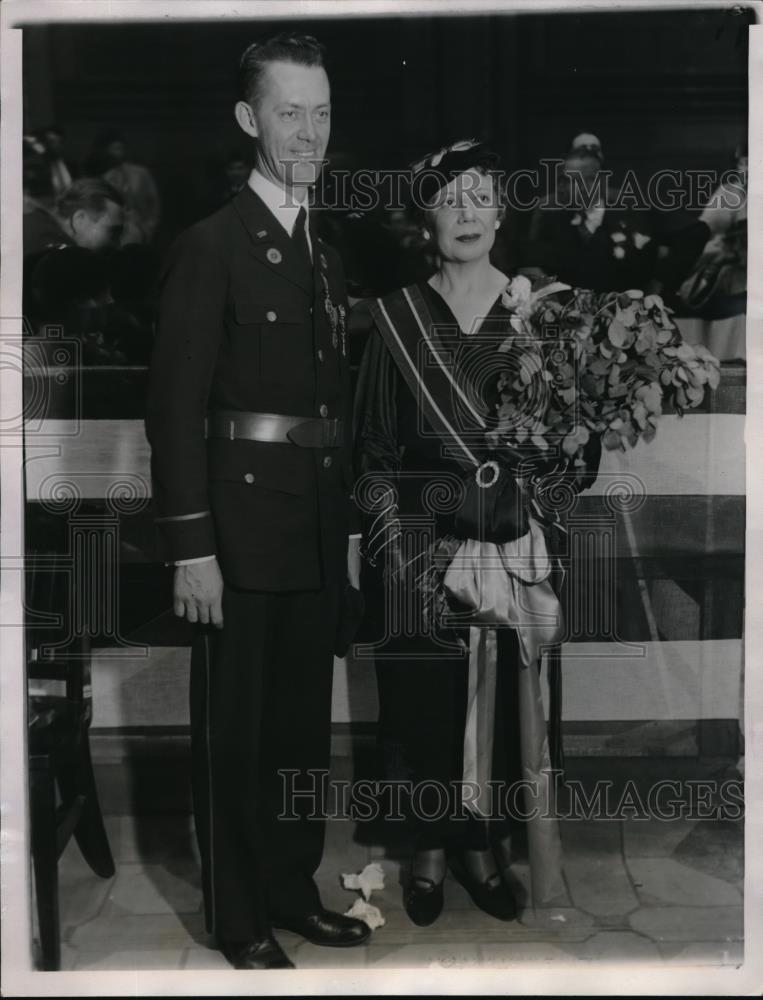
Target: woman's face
{"x":464,"y":217}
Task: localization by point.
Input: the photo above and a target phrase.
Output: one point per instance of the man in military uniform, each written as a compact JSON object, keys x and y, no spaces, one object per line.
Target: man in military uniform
{"x":247,"y":419}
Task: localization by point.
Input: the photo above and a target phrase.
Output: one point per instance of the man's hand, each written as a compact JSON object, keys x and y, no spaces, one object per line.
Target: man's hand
{"x":353,"y":562}
{"x":198,"y":593}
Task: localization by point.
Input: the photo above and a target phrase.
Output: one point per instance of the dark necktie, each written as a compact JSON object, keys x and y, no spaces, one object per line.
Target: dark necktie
{"x":299,"y":239}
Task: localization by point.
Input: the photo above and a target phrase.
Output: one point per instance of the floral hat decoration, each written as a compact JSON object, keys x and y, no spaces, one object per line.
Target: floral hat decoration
{"x":434,"y":171}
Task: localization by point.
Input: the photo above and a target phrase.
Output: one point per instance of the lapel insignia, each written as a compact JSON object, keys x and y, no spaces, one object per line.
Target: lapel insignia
{"x":324,"y":262}
{"x":336,"y":317}
{"x":262,"y":234}
{"x":274,"y":255}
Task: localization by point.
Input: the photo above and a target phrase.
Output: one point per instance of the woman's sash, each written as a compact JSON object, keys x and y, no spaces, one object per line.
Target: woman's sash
{"x":424,"y":359}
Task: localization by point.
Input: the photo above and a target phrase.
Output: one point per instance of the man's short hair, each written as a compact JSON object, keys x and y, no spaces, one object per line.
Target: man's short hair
{"x":303,"y":50}
{"x":90,"y":193}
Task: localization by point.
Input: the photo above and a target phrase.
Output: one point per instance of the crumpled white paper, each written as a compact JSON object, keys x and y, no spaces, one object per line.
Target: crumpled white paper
{"x":369,"y":914}
{"x":372,"y":877}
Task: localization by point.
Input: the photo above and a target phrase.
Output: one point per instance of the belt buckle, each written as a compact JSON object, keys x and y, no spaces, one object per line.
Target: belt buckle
{"x":329,"y":432}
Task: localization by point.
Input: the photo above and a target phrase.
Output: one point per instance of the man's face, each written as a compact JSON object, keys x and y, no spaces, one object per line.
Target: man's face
{"x":98,"y":230}
{"x":583,"y":164}
{"x":293,"y":118}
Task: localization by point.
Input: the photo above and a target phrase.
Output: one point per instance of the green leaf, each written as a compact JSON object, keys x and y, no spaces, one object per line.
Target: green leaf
{"x":617,"y":333}
{"x":611,"y":440}
{"x":685,"y":352}
{"x":569,"y":395}
{"x":570,"y":445}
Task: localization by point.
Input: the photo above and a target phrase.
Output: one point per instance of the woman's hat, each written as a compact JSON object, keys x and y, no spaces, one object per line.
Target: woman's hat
{"x":435,"y":170}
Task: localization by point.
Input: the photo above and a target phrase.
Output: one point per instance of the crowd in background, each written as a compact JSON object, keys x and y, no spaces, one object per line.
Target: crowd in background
{"x":91,"y":252}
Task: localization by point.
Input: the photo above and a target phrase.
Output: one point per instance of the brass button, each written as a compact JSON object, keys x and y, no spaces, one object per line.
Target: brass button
{"x":249,"y":478}
{"x":320,"y":356}
{"x":271,"y":316}
{"x":324,"y":410}
{"x":327,"y":462}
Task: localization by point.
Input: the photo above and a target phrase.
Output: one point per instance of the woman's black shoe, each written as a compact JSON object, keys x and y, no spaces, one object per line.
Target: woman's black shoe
{"x":492,"y":896}
{"x":423,"y":900}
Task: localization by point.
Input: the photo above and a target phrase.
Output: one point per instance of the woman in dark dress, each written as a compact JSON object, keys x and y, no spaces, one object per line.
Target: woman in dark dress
{"x":459,"y":706}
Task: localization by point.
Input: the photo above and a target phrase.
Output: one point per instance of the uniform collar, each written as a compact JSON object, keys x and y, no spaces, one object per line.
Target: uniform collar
{"x":276,"y":200}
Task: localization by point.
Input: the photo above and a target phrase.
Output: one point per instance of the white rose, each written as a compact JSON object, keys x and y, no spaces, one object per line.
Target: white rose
{"x":518,"y":295}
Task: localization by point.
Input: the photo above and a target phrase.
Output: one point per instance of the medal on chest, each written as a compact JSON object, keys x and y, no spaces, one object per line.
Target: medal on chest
{"x":337,"y":319}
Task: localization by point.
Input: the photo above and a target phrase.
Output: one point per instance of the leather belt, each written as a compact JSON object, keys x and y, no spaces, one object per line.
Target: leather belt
{"x":277,"y":428}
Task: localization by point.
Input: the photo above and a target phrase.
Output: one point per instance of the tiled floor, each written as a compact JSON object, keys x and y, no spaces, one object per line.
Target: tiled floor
{"x":661,"y":891}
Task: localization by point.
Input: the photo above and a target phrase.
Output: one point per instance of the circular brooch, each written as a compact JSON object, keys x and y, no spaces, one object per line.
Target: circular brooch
{"x":487,"y":467}
{"x":274,"y":255}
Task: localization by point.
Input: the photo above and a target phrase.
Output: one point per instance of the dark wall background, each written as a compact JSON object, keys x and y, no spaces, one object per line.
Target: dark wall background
{"x":661,"y":89}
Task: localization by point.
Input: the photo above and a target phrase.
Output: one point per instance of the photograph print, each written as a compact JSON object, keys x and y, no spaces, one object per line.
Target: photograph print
{"x":379,"y":458}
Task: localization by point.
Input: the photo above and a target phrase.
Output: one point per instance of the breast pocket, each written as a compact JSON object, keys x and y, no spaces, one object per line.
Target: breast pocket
{"x":283,"y":332}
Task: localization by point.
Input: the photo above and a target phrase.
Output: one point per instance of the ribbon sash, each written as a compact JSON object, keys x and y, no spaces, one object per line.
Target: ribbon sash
{"x":414,"y":341}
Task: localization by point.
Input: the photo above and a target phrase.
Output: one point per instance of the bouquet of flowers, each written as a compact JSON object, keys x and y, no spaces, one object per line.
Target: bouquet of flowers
{"x":580,"y":363}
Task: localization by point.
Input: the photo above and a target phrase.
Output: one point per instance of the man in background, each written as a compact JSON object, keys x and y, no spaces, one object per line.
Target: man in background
{"x":137,"y":186}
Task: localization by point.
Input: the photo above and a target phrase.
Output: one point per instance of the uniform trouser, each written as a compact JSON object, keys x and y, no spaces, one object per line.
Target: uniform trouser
{"x":260,"y":703}
{"x":422,"y":715}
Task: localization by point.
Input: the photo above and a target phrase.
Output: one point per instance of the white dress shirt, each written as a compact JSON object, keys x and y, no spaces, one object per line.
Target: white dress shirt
{"x":285,"y":207}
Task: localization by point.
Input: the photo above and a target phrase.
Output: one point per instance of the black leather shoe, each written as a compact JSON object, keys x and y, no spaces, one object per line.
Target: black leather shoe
{"x":327,"y":928}
{"x":492,"y":896}
{"x":423,"y":900}
{"x":264,"y":953}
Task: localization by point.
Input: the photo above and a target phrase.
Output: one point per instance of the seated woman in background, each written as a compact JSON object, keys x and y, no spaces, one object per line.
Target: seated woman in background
{"x":459,"y":707}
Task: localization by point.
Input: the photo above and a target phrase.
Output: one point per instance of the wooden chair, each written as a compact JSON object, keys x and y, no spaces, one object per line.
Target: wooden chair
{"x":62,"y":789}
